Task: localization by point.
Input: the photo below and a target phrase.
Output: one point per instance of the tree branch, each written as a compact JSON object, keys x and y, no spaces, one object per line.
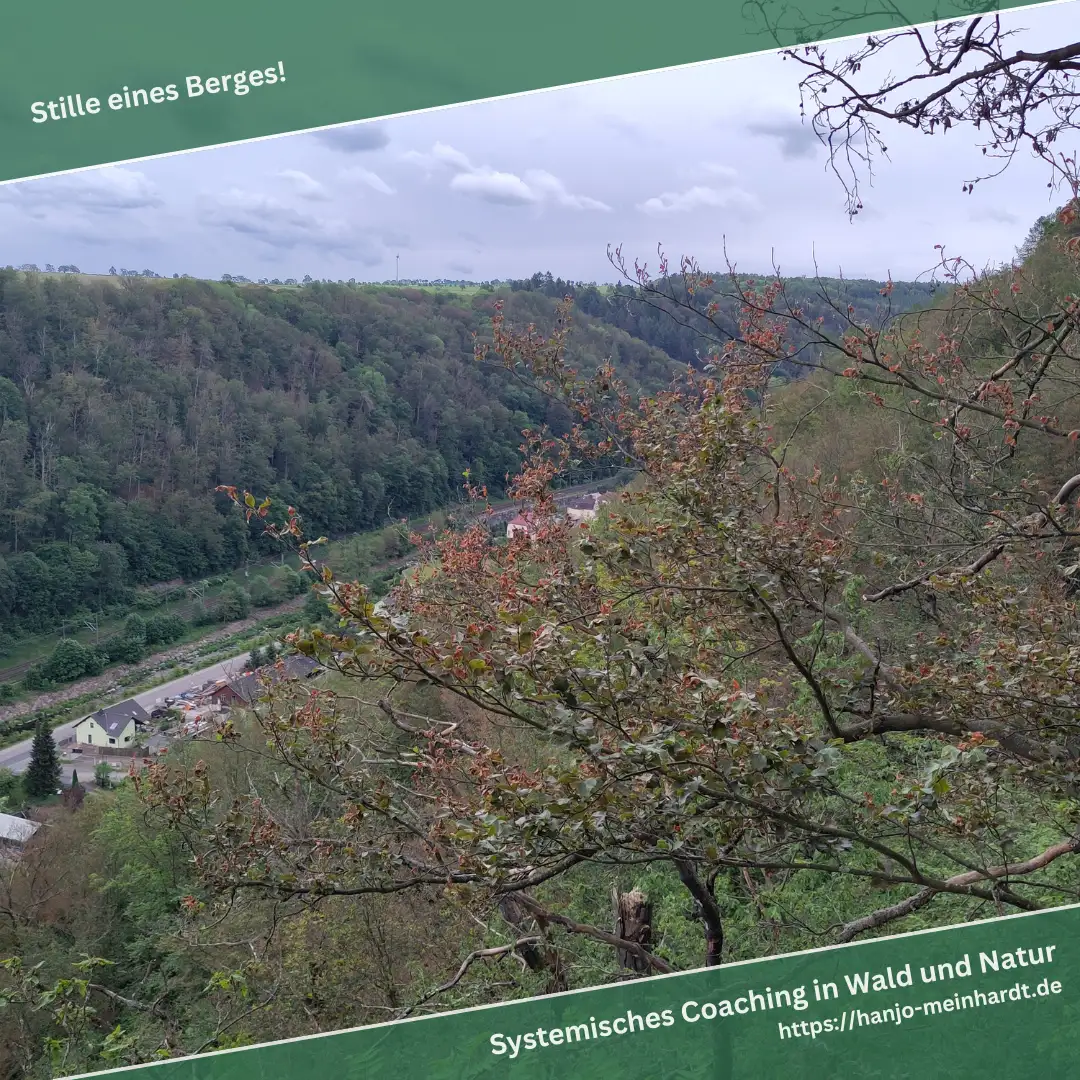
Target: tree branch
{"x":882,"y":916}
{"x":542,"y":916}
{"x":476,"y":954}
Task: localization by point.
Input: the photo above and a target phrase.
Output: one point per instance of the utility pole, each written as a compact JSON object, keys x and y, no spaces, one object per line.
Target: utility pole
{"x":397,"y":267}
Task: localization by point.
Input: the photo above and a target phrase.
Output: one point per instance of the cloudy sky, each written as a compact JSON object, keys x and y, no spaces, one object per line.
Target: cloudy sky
{"x":693,"y":159}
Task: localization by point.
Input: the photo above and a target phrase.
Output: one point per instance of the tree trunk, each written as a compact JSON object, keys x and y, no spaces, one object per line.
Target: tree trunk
{"x":536,"y":957}
{"x":708,"y":910}
{"x":633,"y":922}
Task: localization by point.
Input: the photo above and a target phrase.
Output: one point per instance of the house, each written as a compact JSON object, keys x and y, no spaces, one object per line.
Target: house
{"x":242,"y":690}
{"x":523,"y":523}
{"x":248,"y":688}
{"x":584,"y":508}
{"x":15,"y":831}
{"x":114,"y":726}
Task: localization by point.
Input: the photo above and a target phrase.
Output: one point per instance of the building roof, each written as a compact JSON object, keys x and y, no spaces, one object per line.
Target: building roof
{"x":299,"y":666}
{"x":116,"y":718}
{"x":17,"y":829}
{"x":585,"y":502}
{"x":249,"y":686}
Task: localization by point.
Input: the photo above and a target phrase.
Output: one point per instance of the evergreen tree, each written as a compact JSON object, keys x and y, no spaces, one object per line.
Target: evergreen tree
{"x":43,"y":773}
{"x":74,"y":795}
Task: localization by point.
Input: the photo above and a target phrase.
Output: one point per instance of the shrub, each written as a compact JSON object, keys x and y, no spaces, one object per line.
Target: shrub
{"x":135,"y":629}
{"x":124,"y":650}
{"x":36,"y":680}
{"x":292,"y":582}
{"x":68,"y":662}
{"x":233,"y":604}
{"x":8,"y":783}
{"x":164,"y":629}
{"x":96,"y":661}
{"x":263,"y":593}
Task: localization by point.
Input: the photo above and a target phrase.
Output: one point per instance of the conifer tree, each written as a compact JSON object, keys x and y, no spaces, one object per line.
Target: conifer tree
{"x":43,"y":773}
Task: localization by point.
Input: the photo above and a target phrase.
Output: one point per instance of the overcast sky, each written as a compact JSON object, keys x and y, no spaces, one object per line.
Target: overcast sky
{"x":690,"y":159}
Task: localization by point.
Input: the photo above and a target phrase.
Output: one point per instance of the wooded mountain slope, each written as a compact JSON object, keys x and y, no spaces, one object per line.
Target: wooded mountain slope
{"x":125,"y":402}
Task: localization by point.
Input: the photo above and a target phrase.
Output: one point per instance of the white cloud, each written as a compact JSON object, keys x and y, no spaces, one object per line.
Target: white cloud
{"x":439,"y":155}
{"x":698,"y":198}
{"x":496,"y":187}
{"x":536,"y":188}
{"x":95,"y":191}
{"x":724,"y":172}
{"x":304,"y":185}
{"x":551,"y":187}
{"x":367,"y":177}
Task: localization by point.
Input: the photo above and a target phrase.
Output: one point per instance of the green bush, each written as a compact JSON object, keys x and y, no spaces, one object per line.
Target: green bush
{"x":164,"y":629}
{"x":8,"y":783}
{"x":233,"y":604}
{"x":36,"y":680}
{"x":293,"y":583}
{"x":96,"y":661}
{"x":263,"y":593}
{"x":315,"y":609}
{"x":204,"y":616}
{"x":68,"y":662}
{"x":121,"y":649}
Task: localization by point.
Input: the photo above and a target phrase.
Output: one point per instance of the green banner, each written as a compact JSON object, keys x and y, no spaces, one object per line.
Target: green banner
{"x":996,"y":998}
{"x":82,"y":85}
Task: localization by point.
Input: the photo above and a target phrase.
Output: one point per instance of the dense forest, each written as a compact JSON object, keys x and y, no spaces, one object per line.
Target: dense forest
{"x":124,"y":403}
{"x":661,"y":322}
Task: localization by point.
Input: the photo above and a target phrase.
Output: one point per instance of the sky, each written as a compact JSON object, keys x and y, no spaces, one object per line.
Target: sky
{"x":702,"y":160}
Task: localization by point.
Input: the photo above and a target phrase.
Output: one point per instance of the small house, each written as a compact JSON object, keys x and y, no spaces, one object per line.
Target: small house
{"x":248,"y":688}
{"x":243,"y":690}
{"x":523,"y":523}
{"x":298,"y":666}
{"x":584,"y":508}
{"x":114,"y":726}
{"x":15,"y":832}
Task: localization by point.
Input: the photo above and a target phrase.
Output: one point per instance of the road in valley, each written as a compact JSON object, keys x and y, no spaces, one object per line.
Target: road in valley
{"x":17,"y":757}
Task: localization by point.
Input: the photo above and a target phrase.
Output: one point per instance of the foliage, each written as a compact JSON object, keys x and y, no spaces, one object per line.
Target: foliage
{"x":164,"y":629}
{"x":712,"y":680}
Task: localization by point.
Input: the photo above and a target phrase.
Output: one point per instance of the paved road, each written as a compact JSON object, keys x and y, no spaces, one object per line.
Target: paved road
{"x":17,"y":757}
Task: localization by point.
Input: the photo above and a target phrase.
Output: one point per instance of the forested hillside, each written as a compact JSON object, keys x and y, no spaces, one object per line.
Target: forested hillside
{"x":125,"y":402}
{"x":664,"y":324}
